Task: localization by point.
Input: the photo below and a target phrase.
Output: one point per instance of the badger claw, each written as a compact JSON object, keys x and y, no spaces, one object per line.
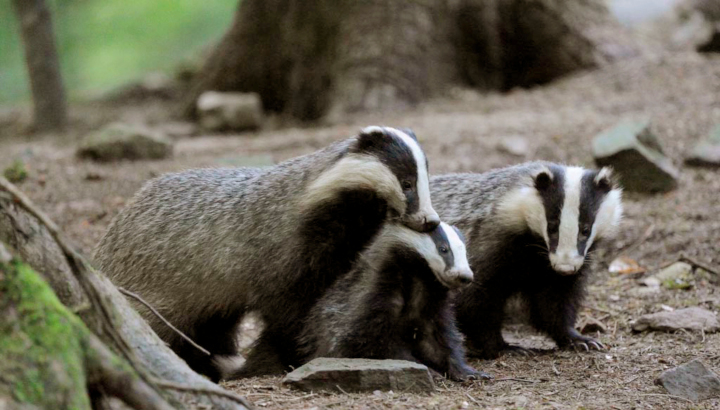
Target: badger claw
{"x":519,"y":350}
{"x":578,"y":341}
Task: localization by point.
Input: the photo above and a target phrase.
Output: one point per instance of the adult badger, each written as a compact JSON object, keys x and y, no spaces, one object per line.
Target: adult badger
{"x":395,"y":304}
{"x":206,"y":246}
{"x":531,"y":229}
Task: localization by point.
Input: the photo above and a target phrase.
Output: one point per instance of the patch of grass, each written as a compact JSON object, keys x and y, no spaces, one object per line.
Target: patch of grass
{"x":16,"y":172}
{"x":105,"y":44}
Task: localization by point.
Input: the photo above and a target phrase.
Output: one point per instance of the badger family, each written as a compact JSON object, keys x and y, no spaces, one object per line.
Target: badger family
{"x":341,"y":253}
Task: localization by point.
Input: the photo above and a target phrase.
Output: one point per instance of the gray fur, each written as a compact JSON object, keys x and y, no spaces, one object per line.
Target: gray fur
{"x":212,"y":244}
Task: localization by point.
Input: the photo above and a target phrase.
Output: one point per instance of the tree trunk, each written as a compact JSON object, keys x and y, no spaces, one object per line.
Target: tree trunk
{"x":308,"y":59}
{"x":119,"y":353}
{"x":41,"y":57}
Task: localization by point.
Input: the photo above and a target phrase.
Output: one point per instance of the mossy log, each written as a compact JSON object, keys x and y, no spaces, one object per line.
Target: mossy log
{"x":97,"y":338}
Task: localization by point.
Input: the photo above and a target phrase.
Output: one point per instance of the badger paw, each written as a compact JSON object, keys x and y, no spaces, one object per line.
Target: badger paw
{"x":585,"y":343}
{"x":464,"y":372}
{"x":518,"y":350}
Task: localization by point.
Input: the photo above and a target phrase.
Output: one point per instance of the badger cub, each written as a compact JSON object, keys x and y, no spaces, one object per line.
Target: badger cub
{"x":531,"y":230}
{"x":394,"y":303}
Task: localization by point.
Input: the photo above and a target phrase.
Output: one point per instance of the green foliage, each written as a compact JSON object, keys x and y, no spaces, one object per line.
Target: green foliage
{"x":41,"y":343}
{"x":104,"y":44}
{"x":16,"y":172}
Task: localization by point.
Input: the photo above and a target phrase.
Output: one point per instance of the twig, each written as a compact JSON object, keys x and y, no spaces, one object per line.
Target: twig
{"x":204,"y":390}
{"x":668,"y":395}
{"x":473,"y":399}
{"x":307,"y":396}
{"x":517,"y":380}
{"x":156,"y":313}
{"x":649,"y":231}
{"x":341,"y":389}
{"x":597,"y":309}
{"x":695,"y":263}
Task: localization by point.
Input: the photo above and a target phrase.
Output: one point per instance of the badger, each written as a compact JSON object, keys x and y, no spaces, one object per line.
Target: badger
{"x":395,"y":303}
{"x":206,"y":246}
{"x":531,"y":231}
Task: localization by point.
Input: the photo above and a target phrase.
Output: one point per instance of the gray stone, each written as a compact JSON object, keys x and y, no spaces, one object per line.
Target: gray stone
{"x":517,"y":146}
{"x":693,"y":381}
{"x":693,"y":318}
{"x":635,"y":153}
{"x":360,"y":375}
{"x":120,"y":141}
{"x":229,"y":111}
{"x":707,"y":152}
{"x":676,"y":276}
{"x":5,"y":255}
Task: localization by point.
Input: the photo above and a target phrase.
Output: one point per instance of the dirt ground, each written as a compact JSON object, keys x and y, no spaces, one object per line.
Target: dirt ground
{"x":679,"y":93}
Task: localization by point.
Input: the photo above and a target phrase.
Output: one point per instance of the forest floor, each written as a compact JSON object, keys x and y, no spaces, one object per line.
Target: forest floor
{"x":463,"y":132}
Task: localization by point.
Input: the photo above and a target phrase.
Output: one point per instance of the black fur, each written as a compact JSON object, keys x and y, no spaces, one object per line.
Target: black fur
{"x":334,"y":235}
{"x":406,"y":315}
{"x":520,"y":268}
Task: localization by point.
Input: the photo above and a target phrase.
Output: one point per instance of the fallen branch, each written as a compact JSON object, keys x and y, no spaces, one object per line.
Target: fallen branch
{"x":697,"y":264}
{"x":156,"y":313}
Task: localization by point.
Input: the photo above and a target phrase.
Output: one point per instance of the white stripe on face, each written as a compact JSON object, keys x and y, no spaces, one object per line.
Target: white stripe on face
{"x":608,"y":217}
{"x":423,"y":181}
{"x":566,"y":258}
{"x":457,"y":246}
{"x":422,"y":243}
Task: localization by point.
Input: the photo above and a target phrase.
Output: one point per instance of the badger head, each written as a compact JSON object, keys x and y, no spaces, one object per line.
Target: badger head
{"x":443,"y":249}
{"x":575,"y":208}
{"x":399,"y":171}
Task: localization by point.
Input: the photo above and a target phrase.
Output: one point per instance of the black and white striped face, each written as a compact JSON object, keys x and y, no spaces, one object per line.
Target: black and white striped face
{"x":399,"y":151}
{"x":443,"y":249}
{"x":580,"y":207}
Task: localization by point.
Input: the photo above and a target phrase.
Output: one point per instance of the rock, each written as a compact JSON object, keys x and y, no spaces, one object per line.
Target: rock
{"x":360,"y":375}
{"x":592,"y":325}
{"x":517,"y":146}
{"x":707,"y":152}
{"x":178,"y":129}
{"x":635,"y":153}
{"x":693,"y":381}
{"x":120,"y":141}
{"x":676,"y":276}
{"x":693,"y":318}
{"x":651,"y":282}
{"x":229,"y":111}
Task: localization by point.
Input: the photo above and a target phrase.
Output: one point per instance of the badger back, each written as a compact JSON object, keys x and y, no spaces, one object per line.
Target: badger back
{"x":385,"y":160}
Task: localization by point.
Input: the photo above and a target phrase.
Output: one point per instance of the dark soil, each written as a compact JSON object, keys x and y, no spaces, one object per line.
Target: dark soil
{"x":680,"y":93}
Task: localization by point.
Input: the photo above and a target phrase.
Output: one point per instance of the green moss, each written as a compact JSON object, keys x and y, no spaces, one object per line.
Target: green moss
{"x":16,"y":172}
{"x":41,"y":343}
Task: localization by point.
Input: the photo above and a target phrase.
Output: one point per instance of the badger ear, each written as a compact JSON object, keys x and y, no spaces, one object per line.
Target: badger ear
{"x":410,"y":133}
{"x":543,"y":179}
{"x":369,"y":137}
{"x":605,"y":180}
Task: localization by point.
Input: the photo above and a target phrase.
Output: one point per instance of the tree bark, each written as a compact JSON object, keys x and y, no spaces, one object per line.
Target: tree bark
{"x":317,"y":57}
{"x":41,"y":58}
{"x":150,"y":366}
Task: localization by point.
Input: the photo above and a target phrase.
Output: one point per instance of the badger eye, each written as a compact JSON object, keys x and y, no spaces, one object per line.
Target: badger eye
{"x":443,"y":249}
{"x":407,"y":184}
{"x":585,"y":230}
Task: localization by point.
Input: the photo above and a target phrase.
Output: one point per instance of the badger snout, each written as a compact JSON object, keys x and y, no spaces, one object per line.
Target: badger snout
{"x":566,"y":263}
{"x":423,"y":221}
{"x":455,"y":278}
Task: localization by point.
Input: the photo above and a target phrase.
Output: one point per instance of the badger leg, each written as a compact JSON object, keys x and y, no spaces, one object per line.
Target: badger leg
{"x":270,"y":354}
{"x":479,"y":317}
{"x":553,"y":310}
{"x":440,"y":348}
{"x":218,"y":335}
{"x":376,"y":332}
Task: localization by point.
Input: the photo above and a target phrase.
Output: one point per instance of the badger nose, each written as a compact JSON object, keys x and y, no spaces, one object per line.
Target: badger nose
{"x":464,"y":279}
{"x":431,"y":222}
